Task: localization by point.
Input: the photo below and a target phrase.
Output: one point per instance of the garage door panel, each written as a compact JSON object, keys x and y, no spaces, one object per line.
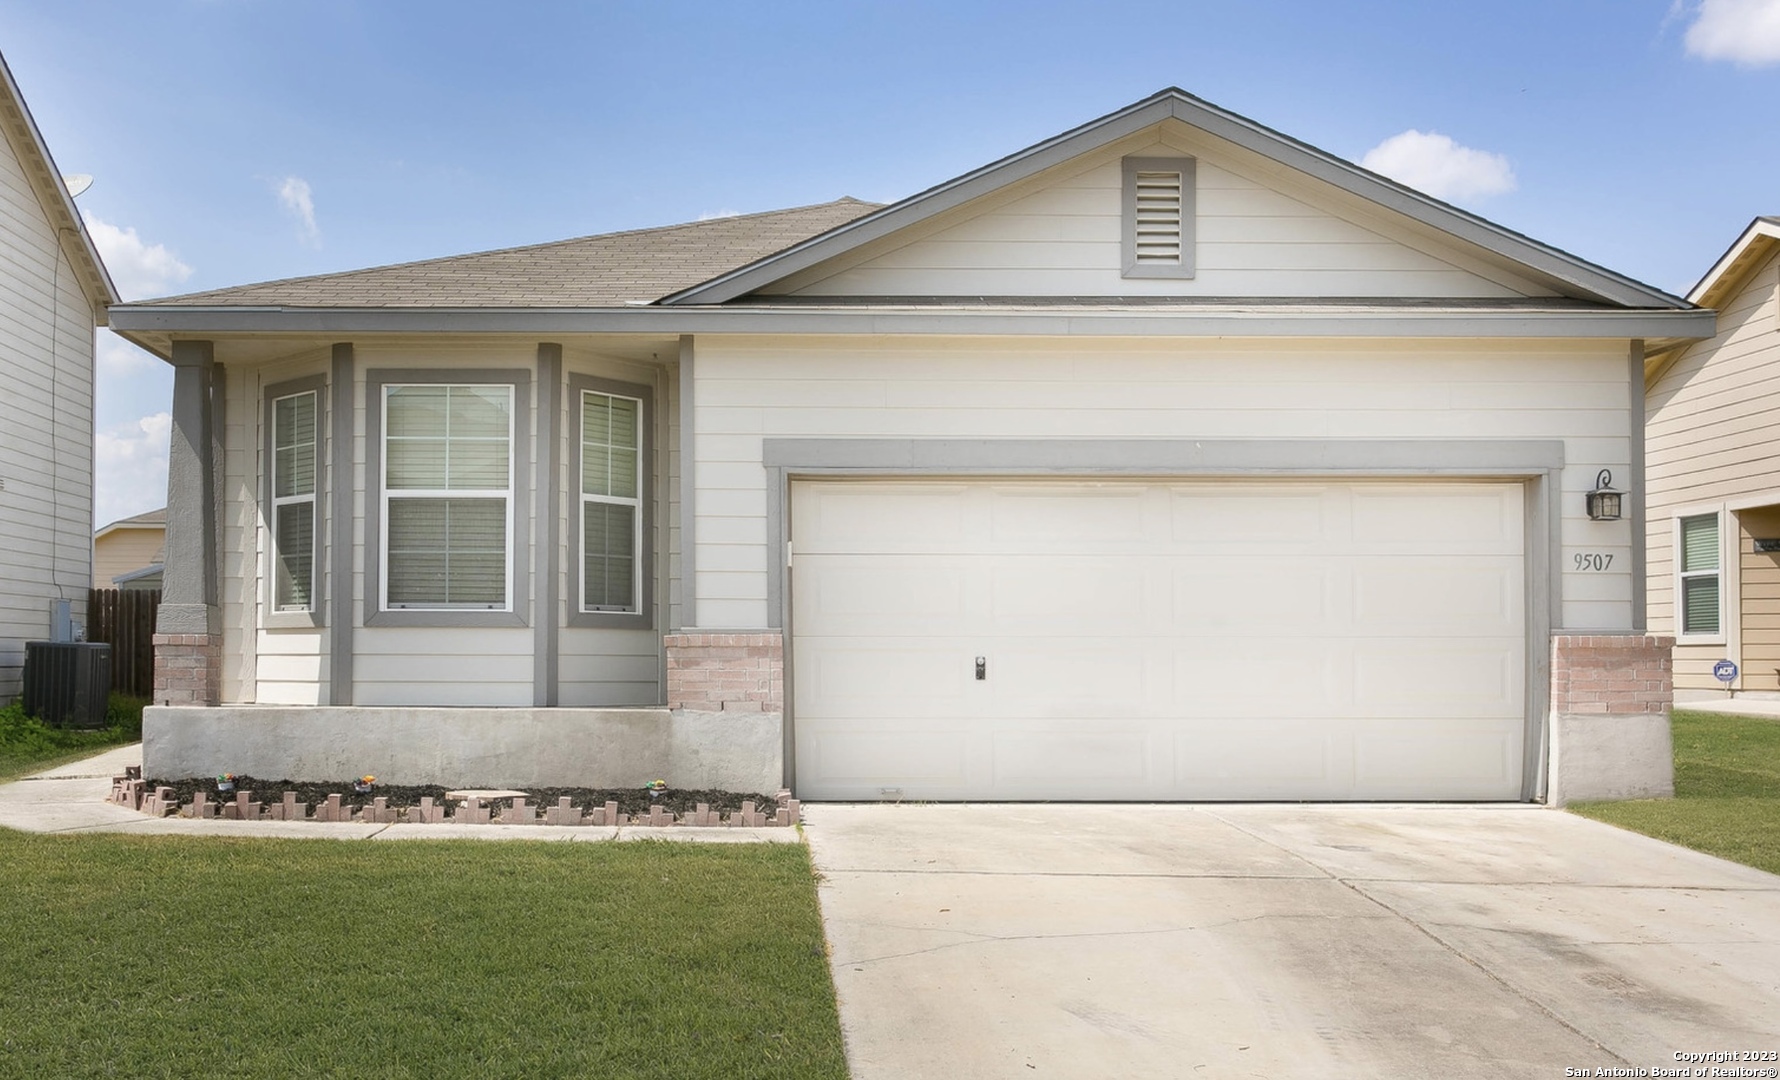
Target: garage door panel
{"x":1081,"y":760}
{"x":1427,"y":519}
{"x":867,"y":759}
{"x":1078,"y":596}
{"x":1046,"y":518}
{"x":1421,"y":595}
{"x":1283,"y":677}
{"x":1160,"y":640}
{"x":1255,"y":596}
{"x":1439,"y":677}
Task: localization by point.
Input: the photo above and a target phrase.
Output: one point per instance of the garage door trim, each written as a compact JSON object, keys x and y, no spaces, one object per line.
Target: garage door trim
{"x":1533,"y":462}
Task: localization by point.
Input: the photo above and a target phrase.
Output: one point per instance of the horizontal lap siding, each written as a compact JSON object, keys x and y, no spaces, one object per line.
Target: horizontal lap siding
{"x":442,"y":666}
{"x":46,"y":439}
{"x":1712,"y":432}
{"x":609,"y":667}
{"x":752,"y":389}
{"x":1063,"y":239}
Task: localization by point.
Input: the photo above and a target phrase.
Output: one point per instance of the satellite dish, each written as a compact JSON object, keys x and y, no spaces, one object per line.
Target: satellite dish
{"x":77,"y":183}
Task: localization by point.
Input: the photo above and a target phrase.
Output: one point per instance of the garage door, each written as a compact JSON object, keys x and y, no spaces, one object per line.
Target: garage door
{"x":1158,"y":640}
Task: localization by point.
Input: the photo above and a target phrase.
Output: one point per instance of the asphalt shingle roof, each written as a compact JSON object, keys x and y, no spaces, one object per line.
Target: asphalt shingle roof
{"x":608,"y":270}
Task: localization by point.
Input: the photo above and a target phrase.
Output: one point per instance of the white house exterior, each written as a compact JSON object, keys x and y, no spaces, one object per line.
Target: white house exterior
{"x":1714,"y":477}
{"x":53,"y":292}
{"x":1168,"y":459}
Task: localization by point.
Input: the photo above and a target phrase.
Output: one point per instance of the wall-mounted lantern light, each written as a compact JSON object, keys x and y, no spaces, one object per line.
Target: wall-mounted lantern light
{"x":1603,"y":501}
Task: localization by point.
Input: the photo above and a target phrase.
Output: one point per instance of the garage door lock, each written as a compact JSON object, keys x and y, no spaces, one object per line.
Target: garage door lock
{"x":982,"y":668}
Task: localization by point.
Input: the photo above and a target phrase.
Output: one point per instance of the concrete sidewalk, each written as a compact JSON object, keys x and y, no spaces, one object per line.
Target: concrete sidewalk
{"x":1737,"y":706}
{"x":991,"y":941}
{"x":71,"y":799}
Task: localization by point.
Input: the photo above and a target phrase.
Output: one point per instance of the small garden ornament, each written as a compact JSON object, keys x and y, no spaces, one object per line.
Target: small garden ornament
{"x":225,"y":783}
{"x":364,"y":784}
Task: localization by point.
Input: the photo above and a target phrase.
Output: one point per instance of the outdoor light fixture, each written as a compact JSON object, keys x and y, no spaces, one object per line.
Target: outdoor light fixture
{"x":1603,"y":501}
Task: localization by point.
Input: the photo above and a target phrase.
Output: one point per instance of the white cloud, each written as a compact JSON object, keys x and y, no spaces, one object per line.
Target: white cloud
{"x":1745,"y":32}
{"x":119,"y":359}
{"x":713,"y":215}
{"x":130,"y":468}
{"x":299,"y":201}
{"x":1433,"y":163}
{"x":137,"y":269}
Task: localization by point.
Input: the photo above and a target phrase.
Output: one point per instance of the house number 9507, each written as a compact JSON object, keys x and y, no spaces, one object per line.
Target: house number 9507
{"x":1586,"y":560}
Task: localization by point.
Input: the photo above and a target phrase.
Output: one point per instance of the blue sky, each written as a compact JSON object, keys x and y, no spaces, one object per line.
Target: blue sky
{"x":241,"y":140}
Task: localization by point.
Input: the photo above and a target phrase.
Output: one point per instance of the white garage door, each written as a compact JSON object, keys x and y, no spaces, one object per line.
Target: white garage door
{"x":1158,"y":640}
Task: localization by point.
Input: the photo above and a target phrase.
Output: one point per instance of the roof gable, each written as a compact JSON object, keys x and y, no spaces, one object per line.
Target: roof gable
{"x":1464,"y":242}
{"x":52,"y":194}
{"x":1727,"y":274}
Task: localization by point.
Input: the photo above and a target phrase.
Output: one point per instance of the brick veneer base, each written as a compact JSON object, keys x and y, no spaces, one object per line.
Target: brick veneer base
{"x":188,"y":669}
{"x":1611,"y":673}
{"x":726,"y":672}
{"x":1610,"y":699}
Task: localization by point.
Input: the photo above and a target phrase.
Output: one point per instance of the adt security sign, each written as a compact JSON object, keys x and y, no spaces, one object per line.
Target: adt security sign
{"x":1724,"y":671}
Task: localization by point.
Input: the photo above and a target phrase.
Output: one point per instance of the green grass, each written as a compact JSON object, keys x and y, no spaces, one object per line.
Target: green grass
{"x":1727,"y":791}
{"x":28,"y":745}
{"x":177,"y":957}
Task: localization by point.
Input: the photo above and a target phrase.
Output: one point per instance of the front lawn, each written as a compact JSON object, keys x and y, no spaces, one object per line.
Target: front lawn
{"x":28,"y":745}
{"x":1727,"y":791}
{"x":163,"y":957}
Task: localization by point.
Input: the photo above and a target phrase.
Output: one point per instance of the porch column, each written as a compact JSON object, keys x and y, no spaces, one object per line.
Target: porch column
{"x":188,"y":630}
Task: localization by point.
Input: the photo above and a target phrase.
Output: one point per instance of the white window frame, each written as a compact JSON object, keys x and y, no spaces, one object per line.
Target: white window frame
{"x":1682,"y":637}
{"x":642,"y":617}
{"x":272,"y":617}
{"x":520,"y":573}
{"x":506,"y":494}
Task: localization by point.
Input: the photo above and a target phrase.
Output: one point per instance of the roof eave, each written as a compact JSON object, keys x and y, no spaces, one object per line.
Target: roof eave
{"x":58,"y":203}
{"x":1594,"y":282}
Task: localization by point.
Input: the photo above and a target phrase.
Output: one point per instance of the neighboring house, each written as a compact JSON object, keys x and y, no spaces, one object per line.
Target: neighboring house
{"x":1713,"y":447}
{"x":1170,"y":458}
{"x":127,"y":554}
{"x":53,"y":292}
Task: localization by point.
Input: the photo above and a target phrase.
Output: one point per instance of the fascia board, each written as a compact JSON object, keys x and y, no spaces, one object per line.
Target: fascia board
{"x":1591,"y":280}
{"x":53,"y":193}
{"x":143,"y":323}
{"x":1760,"y":231}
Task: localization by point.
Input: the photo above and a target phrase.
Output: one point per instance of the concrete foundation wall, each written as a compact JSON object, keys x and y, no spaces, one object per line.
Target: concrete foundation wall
{"x":461,"y":747}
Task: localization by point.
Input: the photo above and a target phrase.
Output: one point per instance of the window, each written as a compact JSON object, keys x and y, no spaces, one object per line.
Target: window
{"x":293,"y":501}
{"x":292,"y":506}
{"x":609,"y":520}
{"x":1697,"y":589}
{"x":447,"y":496}
{"x":611,"y":492}
{"x":1158,"y":217}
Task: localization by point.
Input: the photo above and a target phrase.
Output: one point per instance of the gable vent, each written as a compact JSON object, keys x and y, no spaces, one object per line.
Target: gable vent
{"x":1158,"y":217}
{"x":1158,"y":212}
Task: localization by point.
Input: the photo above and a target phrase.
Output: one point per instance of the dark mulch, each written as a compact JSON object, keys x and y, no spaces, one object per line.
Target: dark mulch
{"x":630,"y":800}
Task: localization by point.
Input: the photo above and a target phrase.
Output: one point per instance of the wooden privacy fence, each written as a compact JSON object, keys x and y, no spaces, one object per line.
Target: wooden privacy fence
{"x":125,"y":620}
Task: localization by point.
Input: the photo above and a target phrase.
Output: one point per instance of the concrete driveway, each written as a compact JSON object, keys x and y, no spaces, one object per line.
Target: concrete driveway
{"x":1276,"y":941}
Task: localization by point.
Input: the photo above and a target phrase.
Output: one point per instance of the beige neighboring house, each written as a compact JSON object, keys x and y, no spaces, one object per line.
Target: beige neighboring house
{"x":1167,"y":459}
{"x":128,"y":554}
{"x":1713,"y":450}
{"x":53,"y":293}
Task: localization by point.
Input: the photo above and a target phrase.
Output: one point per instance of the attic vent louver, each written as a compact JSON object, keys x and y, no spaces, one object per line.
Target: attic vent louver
{"x":1158,"y":217}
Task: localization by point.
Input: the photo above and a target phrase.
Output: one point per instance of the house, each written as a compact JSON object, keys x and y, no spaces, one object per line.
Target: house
{"x":127,"y":554}
{"x":53,"y":292}
{"x":1170,"y":458}
{"x":1713,"y":520}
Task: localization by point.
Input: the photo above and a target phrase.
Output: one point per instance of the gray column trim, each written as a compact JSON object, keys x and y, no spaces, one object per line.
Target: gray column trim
{"x":340,"y":553}
{"x":1635,"y":492}
{"x":219,"y":465}
{"x":688,"y":490}
{"x":189,"y":590}
{"x":1538,"y":463}
{"x":644,"y":617}
{"x":548,"y":488}
{"x":375,"y":379}
{"x":316,"y":616}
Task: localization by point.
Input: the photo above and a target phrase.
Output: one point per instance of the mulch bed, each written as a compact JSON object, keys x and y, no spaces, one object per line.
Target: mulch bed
{"x":633,"y":801}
